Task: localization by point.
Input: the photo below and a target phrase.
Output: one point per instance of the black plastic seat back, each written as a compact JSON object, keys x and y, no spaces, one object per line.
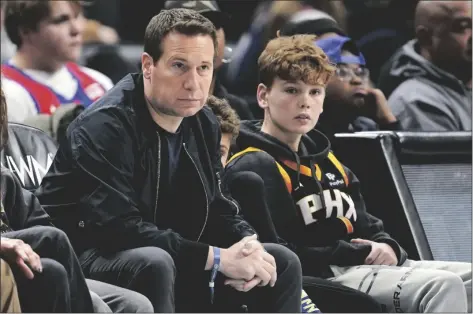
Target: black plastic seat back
{"x":437,"y":169}
{"x":419,"y":184}
{"x":28,"y":154}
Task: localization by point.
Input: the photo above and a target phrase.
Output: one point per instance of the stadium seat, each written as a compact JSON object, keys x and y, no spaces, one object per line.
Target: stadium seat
{"x":419,"y":184}
{"x":28,"y":154}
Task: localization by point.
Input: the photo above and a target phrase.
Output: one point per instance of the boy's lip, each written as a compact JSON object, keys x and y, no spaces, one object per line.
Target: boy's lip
{"x":302,"y":116}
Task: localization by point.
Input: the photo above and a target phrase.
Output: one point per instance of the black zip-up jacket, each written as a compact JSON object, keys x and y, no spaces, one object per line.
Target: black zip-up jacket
{"x":103,"y":186}
{"x":21,"y":209}
{"x":320,"y":238}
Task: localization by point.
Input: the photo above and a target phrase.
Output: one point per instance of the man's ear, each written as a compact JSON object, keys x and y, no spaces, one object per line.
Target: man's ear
{"x":424,"y":36}
{"x":24,"y":34}
{"x":147,"y":63}
{"x":262,"y":95}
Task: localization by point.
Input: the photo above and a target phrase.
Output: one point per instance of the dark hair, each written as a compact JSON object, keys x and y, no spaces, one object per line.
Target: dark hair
{"x":3,"y":120}
{"x":26,"y":14}
{"x":226,"y":116}
{"x":184,"y":21}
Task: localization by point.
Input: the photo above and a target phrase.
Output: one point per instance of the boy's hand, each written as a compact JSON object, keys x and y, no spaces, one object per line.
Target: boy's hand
{"x":381,"y":253}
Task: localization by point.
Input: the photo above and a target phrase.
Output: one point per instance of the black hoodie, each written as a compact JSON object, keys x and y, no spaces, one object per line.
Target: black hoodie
{"x":20,"y":209}
{"x":305,"y":222}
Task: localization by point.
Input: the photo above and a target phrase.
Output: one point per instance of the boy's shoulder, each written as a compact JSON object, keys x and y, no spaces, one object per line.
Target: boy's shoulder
{"x":250,"y":157}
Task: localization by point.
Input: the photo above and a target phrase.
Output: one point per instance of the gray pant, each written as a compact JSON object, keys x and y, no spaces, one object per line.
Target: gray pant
{"x":416,"y":286}
{"x":108,"y":298}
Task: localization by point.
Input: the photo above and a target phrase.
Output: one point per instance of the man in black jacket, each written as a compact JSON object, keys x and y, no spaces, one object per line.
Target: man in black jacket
{"x":136,"y":186}
{"x":315,"y":202}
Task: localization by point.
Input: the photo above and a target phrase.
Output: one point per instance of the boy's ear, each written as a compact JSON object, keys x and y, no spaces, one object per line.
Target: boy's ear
{"x":262,"y":96}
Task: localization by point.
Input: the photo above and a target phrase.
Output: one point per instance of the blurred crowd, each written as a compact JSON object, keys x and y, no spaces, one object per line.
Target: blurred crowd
{"x":413,"y":70}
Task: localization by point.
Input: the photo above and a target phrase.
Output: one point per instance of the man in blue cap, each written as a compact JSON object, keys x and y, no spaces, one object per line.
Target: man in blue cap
{"x":351,"y":102}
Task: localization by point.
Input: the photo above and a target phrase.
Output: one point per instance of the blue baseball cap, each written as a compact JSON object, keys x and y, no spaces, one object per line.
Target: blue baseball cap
{"x":334,"y":45}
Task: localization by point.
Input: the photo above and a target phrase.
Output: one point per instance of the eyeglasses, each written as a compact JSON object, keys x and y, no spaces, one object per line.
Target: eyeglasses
{"x":346,"y":74}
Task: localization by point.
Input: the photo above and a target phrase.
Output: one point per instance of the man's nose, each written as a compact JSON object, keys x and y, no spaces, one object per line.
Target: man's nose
{"x":192,"y":80}
{"x":77,"y":26}
{"x":356,"y":80}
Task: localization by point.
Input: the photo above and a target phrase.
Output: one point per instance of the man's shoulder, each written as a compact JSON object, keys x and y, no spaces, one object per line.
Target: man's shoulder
{"x":20,"y":103}
{"x":209,"y":123}
{"x":111,"y":114}
{"x":101,"y":78}
{"x":415,"y":90}
{"x":12,"y":86}
{"x":206,"y":116}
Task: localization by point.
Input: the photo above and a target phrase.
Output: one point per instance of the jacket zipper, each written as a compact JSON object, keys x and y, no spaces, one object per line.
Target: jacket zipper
{"x":205,"y":192}
{"x":158,"y":170}
{"x":223,"y":195}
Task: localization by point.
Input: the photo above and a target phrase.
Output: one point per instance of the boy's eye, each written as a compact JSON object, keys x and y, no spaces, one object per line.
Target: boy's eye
{"x":291,"y":90}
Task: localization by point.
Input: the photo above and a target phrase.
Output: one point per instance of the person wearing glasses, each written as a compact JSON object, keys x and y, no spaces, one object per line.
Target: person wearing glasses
{"x":351,"y":102}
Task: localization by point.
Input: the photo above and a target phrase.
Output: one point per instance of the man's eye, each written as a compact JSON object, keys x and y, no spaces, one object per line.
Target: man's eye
{"x":178,"y":65}
{"x":461,"y":26}
{"x":316,"y":92}
{"x":60,"y":20}
{"x":342,"y":72}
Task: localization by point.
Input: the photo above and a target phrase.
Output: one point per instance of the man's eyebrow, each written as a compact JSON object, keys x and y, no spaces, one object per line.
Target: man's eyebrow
{"x":174,"y":58}
{"x":178,"y":58}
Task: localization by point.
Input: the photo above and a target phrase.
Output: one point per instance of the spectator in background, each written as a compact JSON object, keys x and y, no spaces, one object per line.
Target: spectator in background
{"x":210,"y":10}
{"x":428,"y":80}
{"x":351,"y":103}
{"x":42,"y":74}
{"x":229,"y":124}
{"x":94,"y":32}
{"x":312,"y":22}
{"x":379,"y":28}
{"x":7,"y":48}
